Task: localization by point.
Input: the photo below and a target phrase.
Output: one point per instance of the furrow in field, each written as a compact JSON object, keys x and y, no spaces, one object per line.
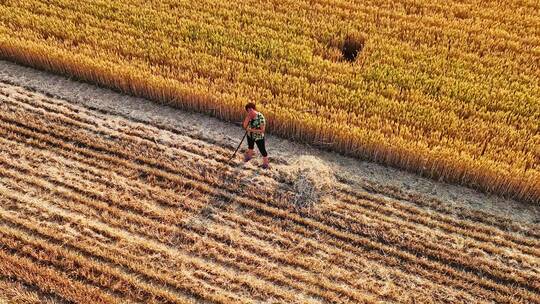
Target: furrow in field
{"x":192,"y":148}
{"x":403,"y":282}
{"x":436,"y":253}
{"x":62,"y":257}
{"x":527,"y":249}
{"x":374,"y":258}
{"x":471,"y":219}
{"x":49,"y":280}
{"x":461,"y":221}
{"x":18,"y":292}
{"x":191,"y":203}
{"x":504,"y":269}
{"x":178,"y":280}
{"x":270,"y":256}
{"x":416,"y":218}
{"x":155,"y":232}
{"x":329,"y":230}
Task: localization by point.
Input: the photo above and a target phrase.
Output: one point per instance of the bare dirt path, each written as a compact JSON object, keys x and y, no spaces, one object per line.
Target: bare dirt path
{"x":387,"y":182}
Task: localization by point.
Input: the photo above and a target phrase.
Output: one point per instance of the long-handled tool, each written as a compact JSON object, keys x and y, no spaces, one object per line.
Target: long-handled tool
{"x":234,"y":154}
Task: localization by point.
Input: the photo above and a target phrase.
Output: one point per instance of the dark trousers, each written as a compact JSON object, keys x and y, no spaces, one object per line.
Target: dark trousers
{"x":260,"y":145}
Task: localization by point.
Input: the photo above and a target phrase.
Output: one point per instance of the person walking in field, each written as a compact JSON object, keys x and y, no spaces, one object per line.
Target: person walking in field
{"x":255,"y":125}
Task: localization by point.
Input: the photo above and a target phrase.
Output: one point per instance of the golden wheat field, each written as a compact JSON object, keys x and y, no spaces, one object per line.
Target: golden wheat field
{"x":97,"y":207}
{"x":447,"y":89}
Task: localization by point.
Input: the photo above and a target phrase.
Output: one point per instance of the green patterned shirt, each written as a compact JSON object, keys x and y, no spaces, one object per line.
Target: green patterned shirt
{"x":256,"y":124}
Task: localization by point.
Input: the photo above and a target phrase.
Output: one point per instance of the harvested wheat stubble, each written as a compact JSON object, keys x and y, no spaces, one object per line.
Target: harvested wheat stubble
{"x":91,"y":202}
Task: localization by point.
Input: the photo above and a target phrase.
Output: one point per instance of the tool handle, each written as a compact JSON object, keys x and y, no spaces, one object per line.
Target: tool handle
{"x":244,"y":137}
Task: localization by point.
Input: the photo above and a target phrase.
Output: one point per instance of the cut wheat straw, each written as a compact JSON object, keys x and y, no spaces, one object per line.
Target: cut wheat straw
{"x":311,"y":179}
